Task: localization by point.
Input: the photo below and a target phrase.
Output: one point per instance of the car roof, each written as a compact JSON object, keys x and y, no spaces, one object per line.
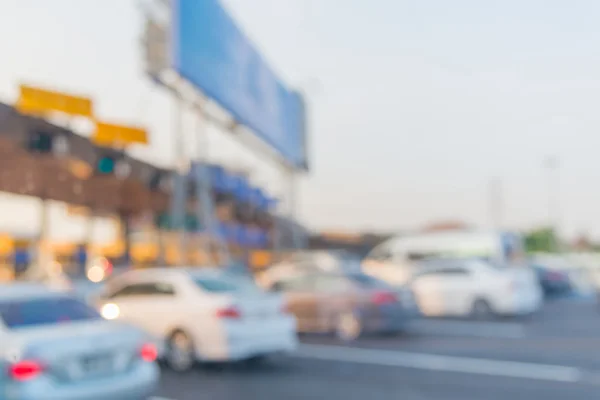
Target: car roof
{"x":21,"y":291}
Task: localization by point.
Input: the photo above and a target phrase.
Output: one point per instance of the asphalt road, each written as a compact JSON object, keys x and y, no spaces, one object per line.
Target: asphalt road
{"x":553,"y":355}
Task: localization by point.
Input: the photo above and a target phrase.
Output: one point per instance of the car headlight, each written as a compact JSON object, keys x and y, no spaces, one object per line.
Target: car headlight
{"x":110,"y":311}
{"x":96,"y":274}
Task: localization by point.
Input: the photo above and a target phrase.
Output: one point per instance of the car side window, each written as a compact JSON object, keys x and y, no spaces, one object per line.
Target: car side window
{"x":381,"y":254}
{"x":455,"y":271}
{"x":306,"y":265}
{"x":413,"y":256}
{"x":125,"y":291}
{"x":424,"y":273}
{"x":144,"y":289}
{"x":300,"y":284}
{"x":438,"y":272}
{"x":332,"y":283}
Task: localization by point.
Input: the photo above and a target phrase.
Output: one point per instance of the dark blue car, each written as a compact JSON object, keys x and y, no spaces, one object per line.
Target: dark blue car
{"x":553,"y":282}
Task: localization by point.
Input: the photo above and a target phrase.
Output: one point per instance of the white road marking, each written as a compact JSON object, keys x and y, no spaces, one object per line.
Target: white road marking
{"x":159,"y":398}
{"x":503,"y":330}
{"x":442,"y":363}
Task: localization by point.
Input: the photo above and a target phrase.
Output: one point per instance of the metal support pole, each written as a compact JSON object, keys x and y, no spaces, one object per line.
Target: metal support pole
{"x":276,"y":234}
{"x":552,"y":165}
{"x":44,"y":256}
{"x":297,"y":236}
{"x":89,"y":237}
{"x":496,"y":203}
{"x":180,"y":172}
{"x":205,"y":209}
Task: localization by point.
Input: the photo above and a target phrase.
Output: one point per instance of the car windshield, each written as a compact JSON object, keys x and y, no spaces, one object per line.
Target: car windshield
{"x":367,"y":281}
{"x":44,"y":311}
{"x":489,"y":262}
{"x":225,"y":284}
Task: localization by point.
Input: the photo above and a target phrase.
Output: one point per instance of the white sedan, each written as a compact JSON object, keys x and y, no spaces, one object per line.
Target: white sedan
{"x":475,"y":288}
{"x":201,"y":314}
{"x":54,"y":346}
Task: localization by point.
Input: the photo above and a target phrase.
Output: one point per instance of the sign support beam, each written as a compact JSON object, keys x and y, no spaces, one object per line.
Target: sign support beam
{"x":179,"y":205}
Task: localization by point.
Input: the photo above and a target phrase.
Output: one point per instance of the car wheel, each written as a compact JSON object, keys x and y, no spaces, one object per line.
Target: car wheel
{"x":393,"y":333}
{"x":258,"y":360}
{"x":481,"y":310}
{"x":348,"y":327}
{"x":180,"y":354}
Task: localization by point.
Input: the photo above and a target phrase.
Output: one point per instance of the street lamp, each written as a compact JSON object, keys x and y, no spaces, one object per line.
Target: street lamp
{"x":551,"y":164}
{"x":496,"y":203}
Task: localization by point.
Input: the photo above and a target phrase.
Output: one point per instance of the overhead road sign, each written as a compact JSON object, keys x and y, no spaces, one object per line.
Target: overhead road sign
{"x":211,"y":52}
{"x":113,"y":135}
{"x":34,"y":100}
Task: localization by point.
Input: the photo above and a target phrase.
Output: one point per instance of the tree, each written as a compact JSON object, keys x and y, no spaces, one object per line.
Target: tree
{"x":541,"y":240}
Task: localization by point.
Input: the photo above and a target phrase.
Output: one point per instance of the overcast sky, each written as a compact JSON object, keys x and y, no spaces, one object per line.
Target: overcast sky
{"x":421,"y":103}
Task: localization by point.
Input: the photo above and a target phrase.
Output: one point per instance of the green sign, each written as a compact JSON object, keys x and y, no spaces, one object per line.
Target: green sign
{"x":165,"y":221}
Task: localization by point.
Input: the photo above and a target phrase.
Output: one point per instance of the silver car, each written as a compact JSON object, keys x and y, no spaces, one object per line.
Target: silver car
{"x":54,"y":346}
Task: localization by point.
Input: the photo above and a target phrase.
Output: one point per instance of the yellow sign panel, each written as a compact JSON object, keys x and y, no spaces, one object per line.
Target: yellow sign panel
{"x":80,"y":169}
{"x":260,"y":258}
{"x":141,"y":252}
{"x":114,"y":250}
{"x":34,"y":100}
{"x":110,"y":134}
{"x":77,"y":211}
{"x":7,"y":245}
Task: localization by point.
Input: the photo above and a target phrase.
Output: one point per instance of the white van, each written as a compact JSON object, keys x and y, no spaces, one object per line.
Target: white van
{"x":395,"y":259}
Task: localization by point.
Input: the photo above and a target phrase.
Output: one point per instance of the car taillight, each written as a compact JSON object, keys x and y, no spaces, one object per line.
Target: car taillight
{"x":380,"y":298}
{"x":230,"y":313}
{"x":148,"y":352}
{"x":25,"y":370}
{"x":108,"y":267}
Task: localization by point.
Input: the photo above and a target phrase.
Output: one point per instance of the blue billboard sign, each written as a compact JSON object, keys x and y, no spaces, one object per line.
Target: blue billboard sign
{"x":272,"y":203}
{"x":241,"y":188}
{"x":212,"y":53}
{"x":256,"y":194}
{"x":219,"y":178}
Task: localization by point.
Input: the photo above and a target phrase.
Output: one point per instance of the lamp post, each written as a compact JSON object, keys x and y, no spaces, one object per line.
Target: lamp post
{"x":496,"y":203}
{"x":551,"y":164}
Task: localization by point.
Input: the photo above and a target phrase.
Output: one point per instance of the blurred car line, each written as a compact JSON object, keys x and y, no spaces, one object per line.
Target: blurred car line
{"x":187,"y":315}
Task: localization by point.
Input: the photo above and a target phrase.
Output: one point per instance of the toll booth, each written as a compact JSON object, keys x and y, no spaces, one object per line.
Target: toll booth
{"x":65,"y":255}
{"x":7,"y":272}
{"x":22,"y":256}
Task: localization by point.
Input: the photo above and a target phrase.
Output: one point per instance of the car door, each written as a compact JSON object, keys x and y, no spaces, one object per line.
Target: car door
{"x":336,"y":295}
{"x":457,"y":285}
{"x":150,"y":305}
{"x":302,"y":301}
{"x":393,"y":271}
{"x":121,"y":296}
{"x":427,"y":286}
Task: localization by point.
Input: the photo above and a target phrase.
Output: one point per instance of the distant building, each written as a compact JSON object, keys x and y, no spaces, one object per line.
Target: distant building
{"x":446,"y":226}
{"x":358,"y":243}
{"x":582,"y":243}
